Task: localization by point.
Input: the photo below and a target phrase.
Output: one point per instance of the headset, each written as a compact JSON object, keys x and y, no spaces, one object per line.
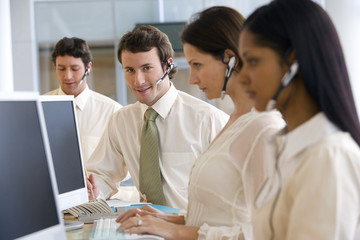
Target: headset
{"x":230,"y":68}
{"x":285,"y":81}
{"x":287,"y":78}
{"x":171,"y":66}
{"x":85,"y":74}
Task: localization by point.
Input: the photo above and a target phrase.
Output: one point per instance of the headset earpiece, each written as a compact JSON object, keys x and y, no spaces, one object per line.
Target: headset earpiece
{"x":289,"y":75}
{"x":87,"y":72}
{"x":170,"y":63}
{"x":171,"y":66}
{"x":287,"y":78}
{"x":230,"y":68}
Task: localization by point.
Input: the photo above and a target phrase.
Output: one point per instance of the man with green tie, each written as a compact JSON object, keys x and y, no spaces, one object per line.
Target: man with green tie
{"x":158,"y":138}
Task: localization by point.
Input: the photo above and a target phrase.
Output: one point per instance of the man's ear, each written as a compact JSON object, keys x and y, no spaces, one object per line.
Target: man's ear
{"x":89,"y":66}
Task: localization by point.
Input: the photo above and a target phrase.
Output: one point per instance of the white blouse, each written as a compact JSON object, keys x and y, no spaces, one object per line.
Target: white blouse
{"x":316,"y":184}
{"x":217,"y":199}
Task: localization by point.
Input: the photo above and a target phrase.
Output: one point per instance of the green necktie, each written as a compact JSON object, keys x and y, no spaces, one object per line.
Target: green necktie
{"x":150,"y":175}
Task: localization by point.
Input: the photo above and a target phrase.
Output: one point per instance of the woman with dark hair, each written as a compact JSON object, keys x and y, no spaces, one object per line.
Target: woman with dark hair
{"x":218,"y":206}
{"x":293,"y":61}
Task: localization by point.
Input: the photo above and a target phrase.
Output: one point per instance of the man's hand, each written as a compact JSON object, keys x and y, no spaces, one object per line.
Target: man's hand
{"x":93,"y":190}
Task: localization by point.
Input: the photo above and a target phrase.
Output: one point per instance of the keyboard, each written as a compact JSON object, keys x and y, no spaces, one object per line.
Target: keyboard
{"x":91,"y":207}
{"x":108,"y":228}
{"x":90,"y":218}
{"x":94,"y":210}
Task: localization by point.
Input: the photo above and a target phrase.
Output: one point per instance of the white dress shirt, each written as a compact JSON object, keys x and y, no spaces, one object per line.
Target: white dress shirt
{"x":318,"y":180}
{"x":217,"y":192}
{"x":93,"y":111}
{"x":186,"y":127}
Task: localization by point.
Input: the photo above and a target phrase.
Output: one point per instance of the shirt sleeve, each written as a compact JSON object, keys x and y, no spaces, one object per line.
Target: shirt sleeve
{"x":250,"y":150}
{"x":107,"y":162}
{"x":207,"y":232}
{"x":219,"y":120}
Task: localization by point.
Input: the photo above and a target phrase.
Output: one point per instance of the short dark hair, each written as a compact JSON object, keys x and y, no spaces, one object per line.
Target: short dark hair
{"x":303,"y":26}
{"x":214,"y":30}
{"x":142,"y":39}
{"x":74,"y":47}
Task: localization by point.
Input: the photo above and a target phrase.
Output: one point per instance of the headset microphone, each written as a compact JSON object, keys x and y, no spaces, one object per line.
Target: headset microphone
{"x":229,"y":70}
{"x":85,"y":74}
{"x":284,"y":82}
{"x":171,"y":66}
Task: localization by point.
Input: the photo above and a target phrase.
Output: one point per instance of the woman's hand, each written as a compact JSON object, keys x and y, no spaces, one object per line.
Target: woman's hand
{"x":148,"y":210}
{"x":148,"y":224}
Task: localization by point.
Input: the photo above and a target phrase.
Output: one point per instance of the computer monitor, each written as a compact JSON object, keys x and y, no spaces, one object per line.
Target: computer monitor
{"x":61,"y":124}
{"x":27,"y":179}
{"x":173,"y":30}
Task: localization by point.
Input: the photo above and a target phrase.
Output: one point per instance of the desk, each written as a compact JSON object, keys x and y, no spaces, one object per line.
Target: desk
{"x":80,"y":234}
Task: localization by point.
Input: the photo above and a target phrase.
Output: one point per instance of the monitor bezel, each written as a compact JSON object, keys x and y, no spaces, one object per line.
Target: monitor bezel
{"x":79,"y":196}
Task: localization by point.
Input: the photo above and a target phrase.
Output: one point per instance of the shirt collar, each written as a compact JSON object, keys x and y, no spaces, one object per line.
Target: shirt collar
{"x":82,"y":98}
{"x":305,"y":132}
{"x":165,"y":103}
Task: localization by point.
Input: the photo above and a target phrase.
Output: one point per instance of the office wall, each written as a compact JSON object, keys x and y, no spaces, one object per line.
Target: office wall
{"x":6,"y":71}
{"x":25,"y":64}
{"x":346,"y":17}
{"x":102,"y":24}
{"x":40,"y":23}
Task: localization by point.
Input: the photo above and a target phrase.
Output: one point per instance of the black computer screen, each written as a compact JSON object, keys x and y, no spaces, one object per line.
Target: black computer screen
{"x":64,"y":144}
{"x":27,"y":199}
{"x":173,"y":30}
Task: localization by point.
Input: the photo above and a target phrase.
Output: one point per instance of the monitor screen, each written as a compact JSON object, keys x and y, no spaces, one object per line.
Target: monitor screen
{"x":61,"y":125}
{"x":27,"y":181}
{"x":173,"y":30}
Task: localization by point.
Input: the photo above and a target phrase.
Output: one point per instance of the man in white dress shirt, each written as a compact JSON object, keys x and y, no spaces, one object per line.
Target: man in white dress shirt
{"x":73,"y":61}
{"x":186,"y":125}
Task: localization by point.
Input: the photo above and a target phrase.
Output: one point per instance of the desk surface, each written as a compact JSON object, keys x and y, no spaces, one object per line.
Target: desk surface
{"x":80,"y":234}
